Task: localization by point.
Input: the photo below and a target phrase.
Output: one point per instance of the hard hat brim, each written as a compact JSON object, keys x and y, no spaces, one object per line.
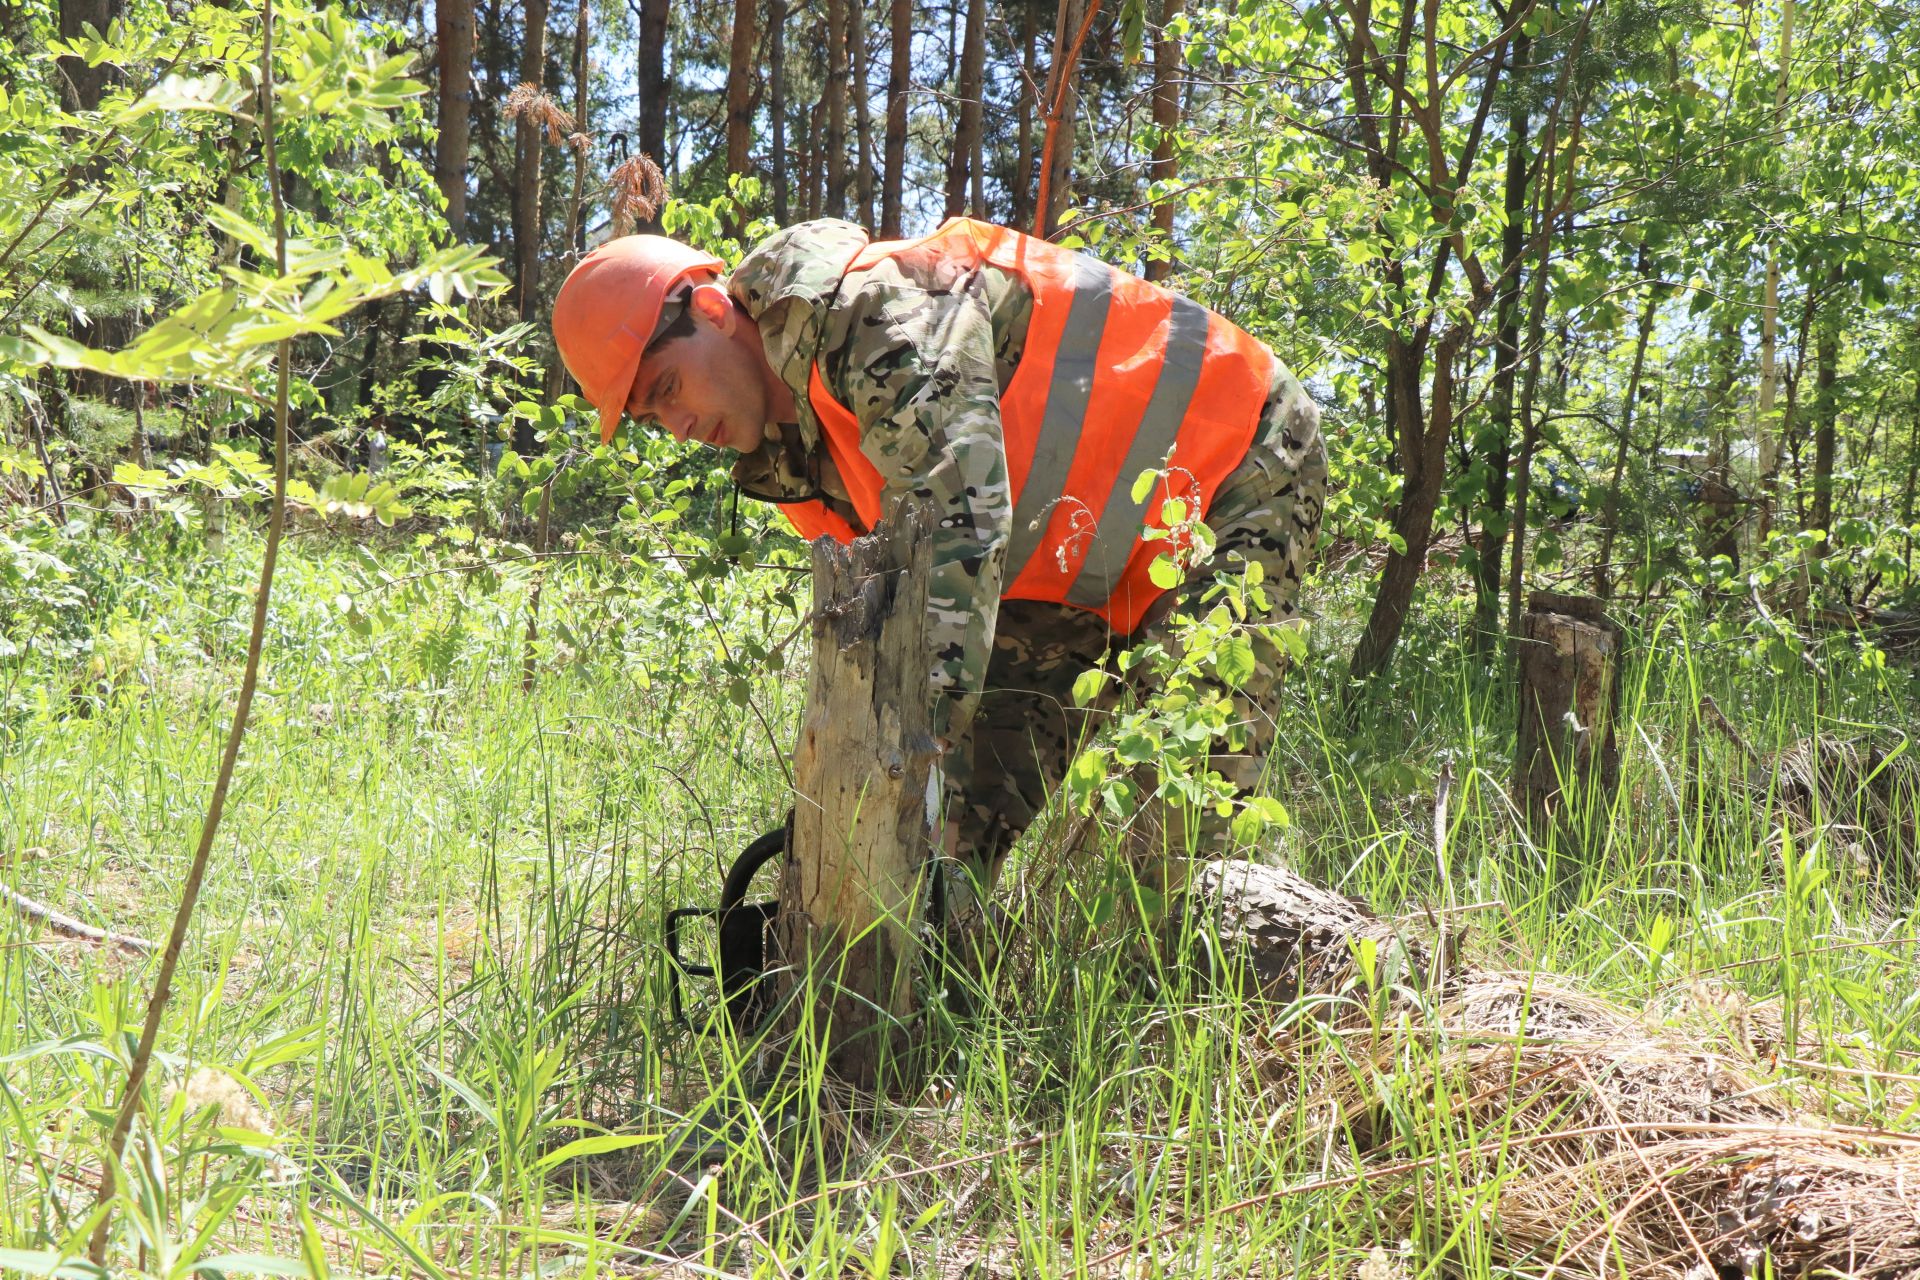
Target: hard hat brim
{"x":615,"y":408}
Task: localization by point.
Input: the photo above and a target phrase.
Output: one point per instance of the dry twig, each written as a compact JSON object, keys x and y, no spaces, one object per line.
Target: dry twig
{"x":68,"y":927}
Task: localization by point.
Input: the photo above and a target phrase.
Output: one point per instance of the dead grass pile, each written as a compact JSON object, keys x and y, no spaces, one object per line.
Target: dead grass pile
{"x":1862,"y":794}
{"x":1592,"y":1143}
{"x":1866,"y":794}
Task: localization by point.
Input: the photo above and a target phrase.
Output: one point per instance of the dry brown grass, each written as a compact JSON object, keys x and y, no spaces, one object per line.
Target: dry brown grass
{"x":1621,"y":1148}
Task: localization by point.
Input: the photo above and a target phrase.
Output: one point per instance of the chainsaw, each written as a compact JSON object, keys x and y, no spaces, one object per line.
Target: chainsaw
{"x":746,"y":936}
{"x":744,"y":929}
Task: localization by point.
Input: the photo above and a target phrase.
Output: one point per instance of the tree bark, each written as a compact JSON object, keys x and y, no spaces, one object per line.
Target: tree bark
{"x":777,"y":103}
{"x":862,"y":112}
{"x":966,"y":134}
{"x":851,"y":884}
{"x":814,"y":164}
{"x":1423,"y":460}
{"x":1610,"y":512}
{"x":1168,"y":63}
{"x":1282,"y":937}
{"x":835,"y":204}
{"x":1826,"y":415}
{"x":1722,"y":524}
{"x":740,"y":79}
{"x":651,"y":129}
{"x":453,"y":28}
{"x":1566,"y":746}
{"x":1071,"y":23}
{"x":527,"y":147}
{"x":1766,"y":437}
{"x":1506,"y":356}
{"x":82,"y":86}
{"x":1023,"y":127}
{"x":1913,"y":471}
{"x":899,"y":71}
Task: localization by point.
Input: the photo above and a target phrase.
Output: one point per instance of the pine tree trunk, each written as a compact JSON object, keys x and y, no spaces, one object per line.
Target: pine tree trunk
{"x":899,"y":72}
{"x":1722,"y":525}
{"x":1168,"y":63}
{"x":777,"y":103}
{"x":453,"y":27}
{"x":966,"y":134}
{"x":1063,"y":111}
{"x":851,"y":885}
{"x":814,"y":161}
{"x":1913,"y":472}
{"x":582,"y":114}
{"x":1529,"y":421}
{"x":83,"y":86}
{"x":526,"y":168}
{"x":836,"y":99}
{"x":740,"y":79}
{"x":651,"y":130}
{"x":1023,"y":126}
{"x":862,"y":112}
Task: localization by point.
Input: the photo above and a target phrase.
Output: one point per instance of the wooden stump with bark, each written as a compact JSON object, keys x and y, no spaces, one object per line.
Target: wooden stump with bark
{"x":853,"y":877}
{"x":1568,"y":651}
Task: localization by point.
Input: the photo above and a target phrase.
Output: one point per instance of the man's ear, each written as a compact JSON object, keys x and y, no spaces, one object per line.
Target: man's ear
{"x":713,"y":304}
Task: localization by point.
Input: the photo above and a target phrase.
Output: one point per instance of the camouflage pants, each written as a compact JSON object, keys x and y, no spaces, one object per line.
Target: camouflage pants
{"x":1027,"y":728}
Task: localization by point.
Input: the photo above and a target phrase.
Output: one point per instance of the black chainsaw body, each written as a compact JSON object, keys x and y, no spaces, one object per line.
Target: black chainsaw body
{"x":745,"y":932}
{"x":744,"y":929}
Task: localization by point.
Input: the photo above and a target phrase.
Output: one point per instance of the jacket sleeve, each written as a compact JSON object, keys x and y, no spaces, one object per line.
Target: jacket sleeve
{"x":917,"y":369}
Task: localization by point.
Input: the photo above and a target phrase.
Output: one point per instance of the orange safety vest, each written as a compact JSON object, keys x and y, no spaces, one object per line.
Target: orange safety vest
{"x":1118,"y":376}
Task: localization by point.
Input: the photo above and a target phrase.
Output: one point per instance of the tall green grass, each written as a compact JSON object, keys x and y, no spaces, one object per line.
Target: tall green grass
{"x":430,"y":949}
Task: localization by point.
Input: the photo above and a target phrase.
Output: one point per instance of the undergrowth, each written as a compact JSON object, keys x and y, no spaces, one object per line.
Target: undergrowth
{"x":423,"y":1020}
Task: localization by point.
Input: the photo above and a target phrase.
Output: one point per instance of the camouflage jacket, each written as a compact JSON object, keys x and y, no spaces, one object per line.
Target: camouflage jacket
{"x":920,"y":350}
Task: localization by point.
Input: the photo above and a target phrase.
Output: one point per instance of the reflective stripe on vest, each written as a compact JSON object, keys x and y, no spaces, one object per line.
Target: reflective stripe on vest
{"x":1117,"y":377}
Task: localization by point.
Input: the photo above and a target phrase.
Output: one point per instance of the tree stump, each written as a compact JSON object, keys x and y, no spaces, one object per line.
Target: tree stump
{"x":1565,"y":745}
{"x":851,"y":884}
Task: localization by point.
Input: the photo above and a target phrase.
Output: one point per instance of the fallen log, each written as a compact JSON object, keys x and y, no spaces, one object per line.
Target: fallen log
{"x":1265,"y":930}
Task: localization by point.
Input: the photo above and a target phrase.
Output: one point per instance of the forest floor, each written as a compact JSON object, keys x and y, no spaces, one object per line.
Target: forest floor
{"x":423,"y":1022}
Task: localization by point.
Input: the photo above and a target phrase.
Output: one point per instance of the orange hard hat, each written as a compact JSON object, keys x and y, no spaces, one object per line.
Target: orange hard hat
{"x":608,"y":309}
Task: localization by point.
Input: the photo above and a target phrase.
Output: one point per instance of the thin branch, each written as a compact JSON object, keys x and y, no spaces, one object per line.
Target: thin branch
{"x":68,"y":927}
{"x":216,"y":805}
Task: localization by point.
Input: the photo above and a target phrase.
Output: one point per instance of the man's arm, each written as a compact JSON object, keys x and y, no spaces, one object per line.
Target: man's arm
{"x":917,"y":370}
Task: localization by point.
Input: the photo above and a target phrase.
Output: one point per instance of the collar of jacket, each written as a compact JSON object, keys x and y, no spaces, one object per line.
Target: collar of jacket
{"x":788,"y":285}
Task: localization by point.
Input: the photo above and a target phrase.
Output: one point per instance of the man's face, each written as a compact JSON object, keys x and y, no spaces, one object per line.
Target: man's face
{"x":708,"y":386}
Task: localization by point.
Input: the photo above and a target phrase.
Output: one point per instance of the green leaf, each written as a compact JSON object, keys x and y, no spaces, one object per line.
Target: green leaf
{"x":184,"y":93}
{"x":1271,"y":810}
{"x":1087,"y":686}
{"x":600,"y":1144}
{"x":1143,"y":484}
{"x":1084,"y":776}
{"x":467,"y":1095}
{"x":1163,"y":574}
{"x":1234,"y":660}
{"x":254,"y":237}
